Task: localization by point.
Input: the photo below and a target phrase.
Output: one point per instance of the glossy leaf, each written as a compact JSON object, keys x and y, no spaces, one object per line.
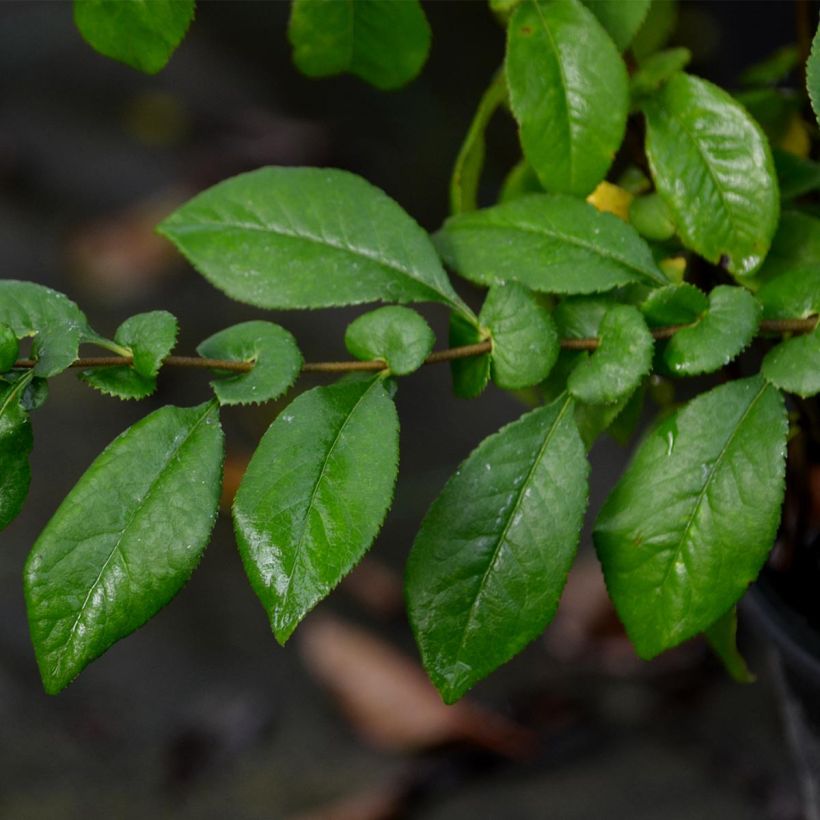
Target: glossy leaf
{"x":9,"y":348}
{"x":791,"y":295}
{"x":723,"y":331}
{"x":568,"y":91}
{"x":470,"y":160}
{"x":562,"y":245}
{"x":55,"y":322}
{"x":623,"y":358}
{"x":690,"y":523}
{"x":525,"y":341}
{"x":492,"y":555}
{"x":794,"y":365}
{"x":470,"y":374}
{"x":722,"y":637}
{"x":675,"y":305}
{"x":383,"y":42}
{"x":620,"y":18}
{"x":141,"y":34}
{"x":796,"y":246}
{"x":125,"y":540}
{"x":713,"y":168}
{"x":305,"y":238}
{"x":15,"y":445}
{"x":272,"y":350}
{"x":315,"y":494}
{"x":150,"y":337}
{"x":651,"y":218}
{"x":397,"y":335}
{"x":813,"y":74}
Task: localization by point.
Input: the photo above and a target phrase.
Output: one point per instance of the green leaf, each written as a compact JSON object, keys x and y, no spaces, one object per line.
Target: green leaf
{"x":56,"y":323}
{"x":141,"y":33}
{"x":623,"y":358}
{"x":315,"y":494}
{"x":796,"y":246}
{"x":125,"y":540}
{"x":396,"y":335}
{"x":791,"y":295}
{"x":675,"y":305}
{"x":383,"y":42}
{"x":272,"y":351}
{"x":594,"y":419}
{"x":690,"y":523}
{"x":492,"y":555}
{"x":657,"y":69}
{"x":568,"y":91}
{"x":620,"y":18}
{"x":15,"y":445}
{"x":794,"y":365}
{"x":651,"y":218}
{"x":657,"y":28}
{"x":562,"y":245}
{"x":520,"y":181}
{"x":722,"y":637}
{"x":307,"y":238}
{"x":723,"y":331}
{"x":149,"y":337}
{"x":813,"y":74}
{"x":796,"y":176}
{"x":713,"y":168}
{"x":471,"y":374}
{"x":525,"y":341}
{"x":775,"y":68}
{"x":579,"y":317}
{"x":470,"y":160}
{"x":9,"y":348}
{"x":774,"y":109}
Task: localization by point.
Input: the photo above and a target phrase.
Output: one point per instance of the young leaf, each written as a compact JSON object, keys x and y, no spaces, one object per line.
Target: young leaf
{"x":813,"y":74}
{"x":125,"y":540}
{"x":15,"y":445}
{"x":305,"y":238}
{"x":794,"y":365}
{"x":623,"y":358}
{"x":712,"y":165}
{"x":774,"y":69}
{"x":675,"y":305}
{"x":383,"y":42}
{"x":562,"y":245}
{"x":315,"y":494}
{"x":486,"y":569}
{"x":150,"y":337}
{"x":690,"y":523}
{"x":525,"y":341}
{"x":471,"y":374}
{"x":272,"y":350}
{"x":657,"y":28}
{"x":792,"y":295}
{"x":397,"y":335}
{"x":9,"y":348}
{"x":651,"y":218}
{"x":620,"y":19}
{"x":56,"y":323}
{"x":723,"y":331}
{"x":568,"y":91}
{"x":141,"y":34}
{"x":722,"y":637}
{"x":656,"y":70}
{"x":470,"y":159}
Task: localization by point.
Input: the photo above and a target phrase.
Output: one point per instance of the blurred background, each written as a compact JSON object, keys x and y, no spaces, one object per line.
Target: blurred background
{"x":201,"y":714}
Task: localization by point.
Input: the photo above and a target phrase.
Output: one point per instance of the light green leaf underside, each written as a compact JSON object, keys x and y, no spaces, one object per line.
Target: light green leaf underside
{"x":690,"y":523}
{"x":485,"y":573}
{"x":315,"y":494}
{"x":307,"y":238}
{"x":383,"y":42}
{"x":616,"y":368}
{"x":722,"y":637}
{"x":794,"y":365}
{"x":125,"y":540}
{"x":272,"y":350}
{"x":724,"y":330}
{"x":620,"y":18}
{"x":56,"y":323}
{"x":397,"y":335}
{"x":568,"y":91}
{"x":141,"y":34}
{"x":562,"y":245}
{"x":525,"y":340}
{"x":712,"y":165}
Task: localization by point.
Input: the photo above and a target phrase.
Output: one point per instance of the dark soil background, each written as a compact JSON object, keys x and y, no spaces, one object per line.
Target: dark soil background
{"x":200,"y":714}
